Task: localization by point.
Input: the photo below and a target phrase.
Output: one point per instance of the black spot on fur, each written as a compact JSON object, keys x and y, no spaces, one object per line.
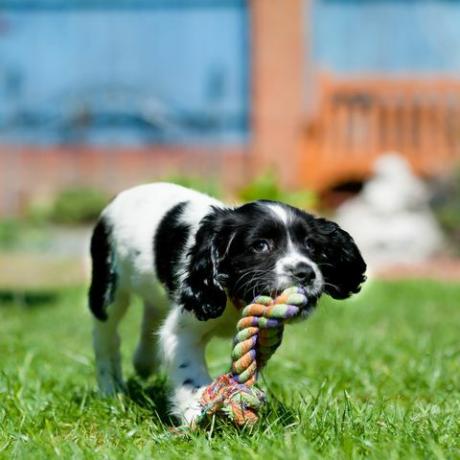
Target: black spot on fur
{"x":202,"y":292}
{"x":188,"y":382}
{"x":169,"y":243}
{"x":183,"y":365}
{"x":103,"y":280}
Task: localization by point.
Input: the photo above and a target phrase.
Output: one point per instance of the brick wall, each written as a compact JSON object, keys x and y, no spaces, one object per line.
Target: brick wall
{"x":34,"y":174}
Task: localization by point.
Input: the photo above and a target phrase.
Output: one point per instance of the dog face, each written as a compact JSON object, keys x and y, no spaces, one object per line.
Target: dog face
{"x":269,"y":252}
{"x":264,"y":247}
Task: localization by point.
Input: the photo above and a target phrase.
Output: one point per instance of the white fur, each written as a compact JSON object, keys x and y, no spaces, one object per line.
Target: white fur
{"x":135,"y":215}
{"x":292,"y":258}
{"x":280,"y":212}
{"x":106,"y":342}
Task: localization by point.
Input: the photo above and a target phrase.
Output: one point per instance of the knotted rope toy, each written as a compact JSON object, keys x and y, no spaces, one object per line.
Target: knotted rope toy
{"x":259,"y":333}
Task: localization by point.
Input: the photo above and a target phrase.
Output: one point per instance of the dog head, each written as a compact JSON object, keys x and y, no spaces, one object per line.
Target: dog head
{"x":264,"y":247}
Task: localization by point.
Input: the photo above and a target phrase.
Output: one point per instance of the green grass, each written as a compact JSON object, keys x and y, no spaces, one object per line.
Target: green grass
{"x":374,"y":377}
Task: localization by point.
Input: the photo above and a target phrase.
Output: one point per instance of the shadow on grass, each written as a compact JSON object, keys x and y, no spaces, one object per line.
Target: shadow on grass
{"x":277,"y":411}
{"x":153,"y":396}
{"x":25,"y":298}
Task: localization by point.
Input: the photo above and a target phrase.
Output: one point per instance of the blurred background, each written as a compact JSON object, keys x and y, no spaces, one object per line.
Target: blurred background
{"x":348,"y":108}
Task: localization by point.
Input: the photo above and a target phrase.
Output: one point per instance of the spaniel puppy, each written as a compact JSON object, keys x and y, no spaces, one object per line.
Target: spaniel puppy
{"x":194,"y":262}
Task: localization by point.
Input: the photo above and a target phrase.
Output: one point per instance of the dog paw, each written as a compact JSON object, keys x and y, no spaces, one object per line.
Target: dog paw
{"x":186,"y":404}
{"x":144,"y":364}
{"x":111,"y":386}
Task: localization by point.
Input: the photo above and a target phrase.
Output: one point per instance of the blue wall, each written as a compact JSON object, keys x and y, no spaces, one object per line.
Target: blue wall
{"x":392,"y":36}
{"x":132,"y":74}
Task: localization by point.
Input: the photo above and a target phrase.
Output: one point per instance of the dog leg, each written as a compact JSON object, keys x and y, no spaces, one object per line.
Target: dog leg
{"x":182,"y":343}
{"x":145,"y":359}
{"x":106,"y":342}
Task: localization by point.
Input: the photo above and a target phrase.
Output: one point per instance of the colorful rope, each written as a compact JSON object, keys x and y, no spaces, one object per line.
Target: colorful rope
{"x":259,"y":334}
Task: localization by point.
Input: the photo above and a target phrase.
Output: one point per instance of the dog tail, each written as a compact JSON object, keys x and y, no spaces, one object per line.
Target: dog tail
{"x":103,"y":277}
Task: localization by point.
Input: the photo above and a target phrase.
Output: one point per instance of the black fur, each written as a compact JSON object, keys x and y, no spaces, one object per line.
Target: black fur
{"x":248,"y":224}
{"x":223,"y":258}
{"x":169,"y":243}
{"x":339,"y":259}
{"x":104,"y":278}
{"x":201,"y":291}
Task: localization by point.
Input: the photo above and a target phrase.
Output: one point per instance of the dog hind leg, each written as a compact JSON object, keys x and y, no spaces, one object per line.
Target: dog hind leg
{"x":106,"y":342}
{"x":145,"y":358}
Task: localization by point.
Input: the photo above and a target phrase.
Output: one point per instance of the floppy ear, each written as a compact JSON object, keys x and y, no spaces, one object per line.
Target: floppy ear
{"x":201,"y":290}
{"x":340,"y":261}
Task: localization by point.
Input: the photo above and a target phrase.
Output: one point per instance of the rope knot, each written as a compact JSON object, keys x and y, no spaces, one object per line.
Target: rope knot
{"x":259,"y":334}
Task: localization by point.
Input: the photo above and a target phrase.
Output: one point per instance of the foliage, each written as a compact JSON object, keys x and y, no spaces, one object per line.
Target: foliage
{"x":78,"y":205}
{"x":39,"y":211}
{"x":266,"y":186}
{"x":375,"y":377}
{"x":447,"y":209}
{"x":23,"y":234}
{"x":9,"y":232}
{"x":208,"y":186}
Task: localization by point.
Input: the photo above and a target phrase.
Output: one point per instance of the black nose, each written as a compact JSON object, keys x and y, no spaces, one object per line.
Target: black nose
{"x":304,"y":273}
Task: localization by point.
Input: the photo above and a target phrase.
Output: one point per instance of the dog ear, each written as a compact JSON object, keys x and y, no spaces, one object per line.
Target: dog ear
{"x":340,"y":260}
{"x":202,"y":291}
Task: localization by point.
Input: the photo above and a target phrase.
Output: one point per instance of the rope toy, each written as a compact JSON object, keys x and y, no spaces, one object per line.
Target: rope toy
{"x":259,"y":334}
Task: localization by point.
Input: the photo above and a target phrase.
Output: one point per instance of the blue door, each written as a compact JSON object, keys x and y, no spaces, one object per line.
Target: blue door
{"x":124,"y":72}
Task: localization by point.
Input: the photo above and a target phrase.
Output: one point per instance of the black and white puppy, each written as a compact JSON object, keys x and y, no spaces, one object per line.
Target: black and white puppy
{"x":194,"y":261}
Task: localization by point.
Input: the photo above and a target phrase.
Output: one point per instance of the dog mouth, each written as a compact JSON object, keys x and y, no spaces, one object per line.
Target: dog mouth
{"x":311,"y":290}
{"x":275,"y":287}
{"x":312,"y":294}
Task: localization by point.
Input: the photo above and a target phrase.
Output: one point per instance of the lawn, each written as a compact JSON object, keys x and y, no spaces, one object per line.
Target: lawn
{"x":374,"y":377}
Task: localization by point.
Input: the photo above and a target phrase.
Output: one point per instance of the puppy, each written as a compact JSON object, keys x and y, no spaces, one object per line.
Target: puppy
{"x":194,"y":262}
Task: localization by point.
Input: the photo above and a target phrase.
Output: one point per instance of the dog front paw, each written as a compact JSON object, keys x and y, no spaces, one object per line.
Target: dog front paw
{"x":186,"y":404}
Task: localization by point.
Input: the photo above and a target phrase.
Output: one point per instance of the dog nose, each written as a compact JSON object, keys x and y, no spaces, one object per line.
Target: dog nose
{"x":304,"y":273}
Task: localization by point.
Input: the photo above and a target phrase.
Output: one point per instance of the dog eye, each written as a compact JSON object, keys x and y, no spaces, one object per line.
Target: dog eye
{"x":307,"y":244}
{"x":260,"y":246}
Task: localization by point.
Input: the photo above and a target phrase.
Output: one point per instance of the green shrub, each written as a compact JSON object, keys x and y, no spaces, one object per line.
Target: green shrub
{"x":9,"y":233}
{"x":39,"y":212}
{"x":208,"y":186}
{"x":78,"y":205}
{"x":447,"y":210}
{"x":449,"y":217}
{"x":267,"y":187}
{"x":23,"y":234}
